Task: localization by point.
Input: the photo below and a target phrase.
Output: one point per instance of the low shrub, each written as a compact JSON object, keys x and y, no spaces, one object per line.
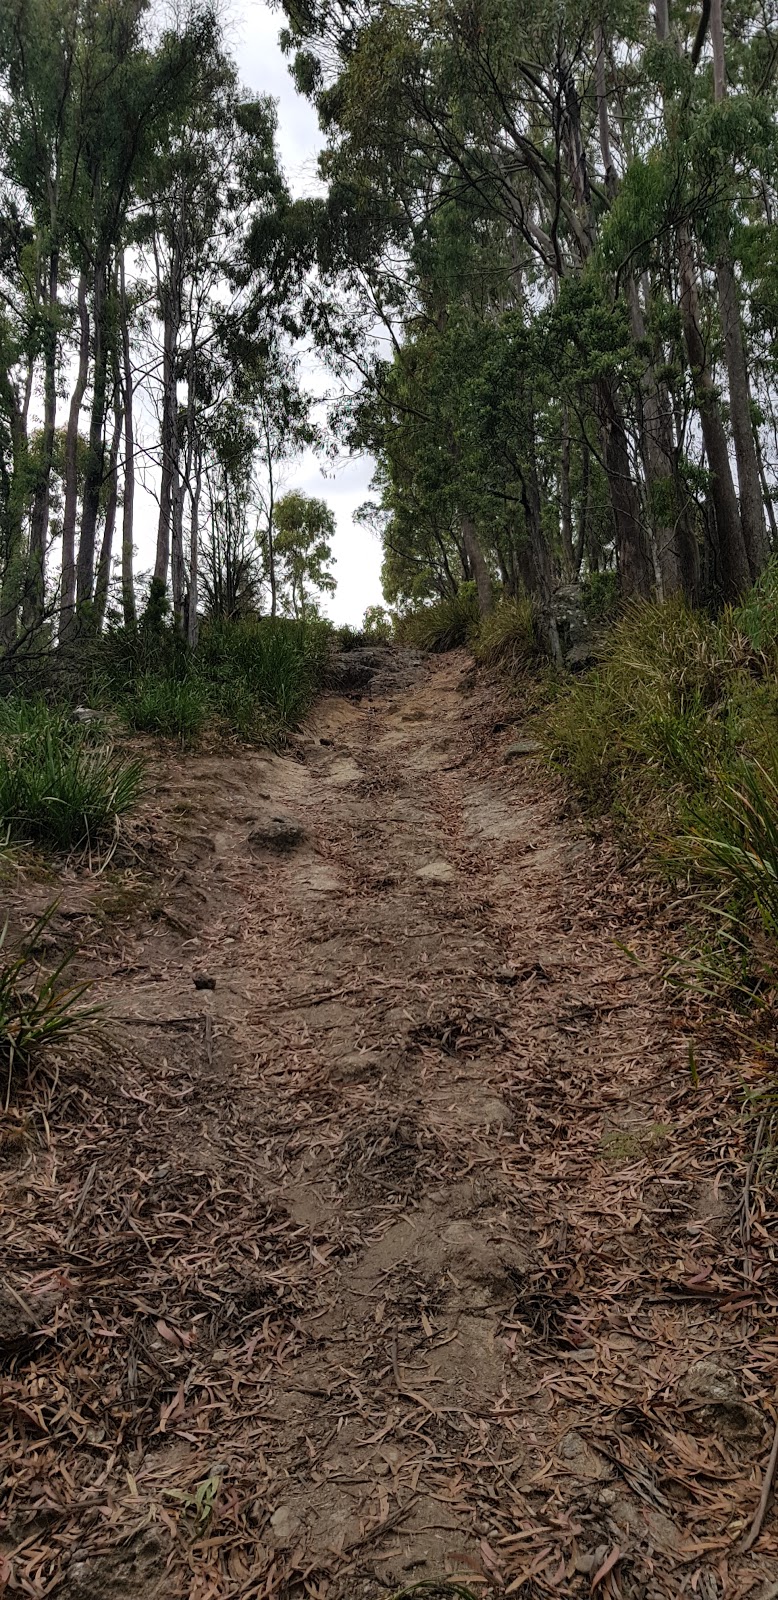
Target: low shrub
{"x":443,"y":625}
{"x":506,"y":637}
{"x":167,"y":707}
{"x":675,"y":732}
{"x":37,"y":1009}
{"x":61,"y":784}
{"x":280,"y":663}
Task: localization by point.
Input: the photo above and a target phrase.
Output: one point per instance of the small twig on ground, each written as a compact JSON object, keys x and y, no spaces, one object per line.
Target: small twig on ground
{"x":745,"y":1226}
{"x":756,"y":1526}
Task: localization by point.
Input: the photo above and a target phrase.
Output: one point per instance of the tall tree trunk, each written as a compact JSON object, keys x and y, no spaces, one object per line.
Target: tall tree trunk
{"x":177,"y":575}
{"x":106,"y":548}
{"x":171,"y":300}
{"x":733,"y":570}
{"x":39,"y":519}
{"x":539,"y":574}
{"x":751,"y":502}
{"x":93,"y":483}
{"x":68,"y":591}
{"x":733,"y":566}
{"x":12,"y":588}
{"x":128,"y":579}
{"x":565,"y":501}
{"x":192,"y":621}
{"x":478,"y":566}
{"x":633,"y":556}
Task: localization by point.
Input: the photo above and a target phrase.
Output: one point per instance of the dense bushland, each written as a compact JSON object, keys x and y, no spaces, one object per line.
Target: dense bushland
{"x":676,"y":733}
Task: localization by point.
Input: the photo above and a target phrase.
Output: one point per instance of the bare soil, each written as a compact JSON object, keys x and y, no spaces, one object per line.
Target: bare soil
{"x":386,"y":1237}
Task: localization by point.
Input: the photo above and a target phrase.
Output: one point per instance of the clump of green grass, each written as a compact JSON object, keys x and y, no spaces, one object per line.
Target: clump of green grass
{"x":59,"y":785}
{"x":171,"y":708}
{"x":506,"y":638}
{"x":675,"y":733}
{"x":279,"y":665}
{"x":443,"y":625}
{"x":37,"y":1009}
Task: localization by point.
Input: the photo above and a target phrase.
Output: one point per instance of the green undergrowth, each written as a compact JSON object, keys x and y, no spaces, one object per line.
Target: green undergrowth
{"x":676,"y":734}
{"x":62,"y":783}
{"x":38,"y":1008}
{"x":506,"y":638}
{"x":442,"y":624}
{"x":256,"y":679}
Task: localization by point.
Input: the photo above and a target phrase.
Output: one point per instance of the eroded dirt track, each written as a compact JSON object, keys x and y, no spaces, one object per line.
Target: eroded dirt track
{"x":408,"y":1250}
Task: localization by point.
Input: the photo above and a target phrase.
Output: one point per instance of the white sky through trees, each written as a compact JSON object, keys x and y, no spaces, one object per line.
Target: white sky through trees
{"x":252,"y":35}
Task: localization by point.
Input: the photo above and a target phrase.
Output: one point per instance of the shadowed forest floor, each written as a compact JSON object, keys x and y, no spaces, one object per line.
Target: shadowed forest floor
{"x":406,"y":1251}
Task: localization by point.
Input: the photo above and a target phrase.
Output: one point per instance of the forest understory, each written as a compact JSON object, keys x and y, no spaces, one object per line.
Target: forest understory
{"x":384,"y":1237}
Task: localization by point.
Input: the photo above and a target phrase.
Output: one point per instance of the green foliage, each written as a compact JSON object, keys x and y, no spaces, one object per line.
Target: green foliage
{"x":676,"y":733}
{"x":506,"y":638}
{"x":304,"y":527}
{"x":444,"y":625}
{"x":61,"y":784}
{"x":600,"y":596}
{"x":377,"y":624}
{"x":37,"y":1009}
{"x":276,"y":666}
{"x":165,"y":706}
{"x":735,"y":842}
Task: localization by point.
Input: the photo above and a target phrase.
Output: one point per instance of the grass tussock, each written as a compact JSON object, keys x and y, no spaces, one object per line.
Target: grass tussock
{"x":442,"y":625}
{"x":506,"y":638}
{"x":676,"y":733}
{"x":166,"y":707}
{"x":61,"y":785}
{"x":38,"y":1009}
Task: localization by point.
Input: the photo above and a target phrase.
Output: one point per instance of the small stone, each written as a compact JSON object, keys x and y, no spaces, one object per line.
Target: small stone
{"x":436,"y":871}
{"x":522,"y":747}
{"x":202,"y":981}
{"x":285,"y":1525}
{"x":277,"y":833}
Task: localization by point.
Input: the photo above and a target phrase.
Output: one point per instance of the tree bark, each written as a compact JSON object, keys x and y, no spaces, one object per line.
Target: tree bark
{"x":12,"y":589}
{"x":85,"y":565}
{"x":128,"y":580}
{"x":106,"y":548}
{"x":633,"y":557}
{"x":193,"y":621}
{"x":68,"y":592}
{"x":733,"y":567}
{"x":39,"y":519}
{"x":478,"y":566}
{"x":751,"y":503}
{"x":170,"y":295}
{"x":565,"y":501}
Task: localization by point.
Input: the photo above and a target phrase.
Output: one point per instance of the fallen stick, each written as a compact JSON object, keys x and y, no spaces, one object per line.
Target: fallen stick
{"x":756,"y":1526}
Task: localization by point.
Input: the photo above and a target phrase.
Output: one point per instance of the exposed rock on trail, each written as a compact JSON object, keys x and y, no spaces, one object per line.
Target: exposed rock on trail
{"x":406,"y":1251}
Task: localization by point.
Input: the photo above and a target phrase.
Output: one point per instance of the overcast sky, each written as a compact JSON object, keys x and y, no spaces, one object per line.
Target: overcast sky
{"x":253,"y":37}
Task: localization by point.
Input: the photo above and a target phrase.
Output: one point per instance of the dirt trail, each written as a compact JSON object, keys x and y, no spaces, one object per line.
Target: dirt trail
{"x":406,"y":1251}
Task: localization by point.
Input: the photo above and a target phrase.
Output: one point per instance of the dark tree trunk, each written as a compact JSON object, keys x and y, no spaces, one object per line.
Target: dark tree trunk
{"x":106,"y":548}
{"x":633,"y":557}
{"x":734,"y":571}
{"x":478,"y":567}
{"x":128,"y":581}
{"x":68,"y":594}
{"x":751,"y":502}
{"x":35,"y":585}
{"x":85,"y":567}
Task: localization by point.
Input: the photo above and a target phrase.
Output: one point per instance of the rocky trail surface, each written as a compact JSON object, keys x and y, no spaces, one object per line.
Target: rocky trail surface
{"x":388,"y":1240}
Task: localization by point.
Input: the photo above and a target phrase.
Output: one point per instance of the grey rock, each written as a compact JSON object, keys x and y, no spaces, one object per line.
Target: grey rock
{"x":713,"y":1390}
{"x":277,"y":833}
{"x":522,"y":747}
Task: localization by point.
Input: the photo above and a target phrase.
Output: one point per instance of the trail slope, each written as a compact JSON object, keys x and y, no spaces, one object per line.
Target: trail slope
{"x":407,"y":1249}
